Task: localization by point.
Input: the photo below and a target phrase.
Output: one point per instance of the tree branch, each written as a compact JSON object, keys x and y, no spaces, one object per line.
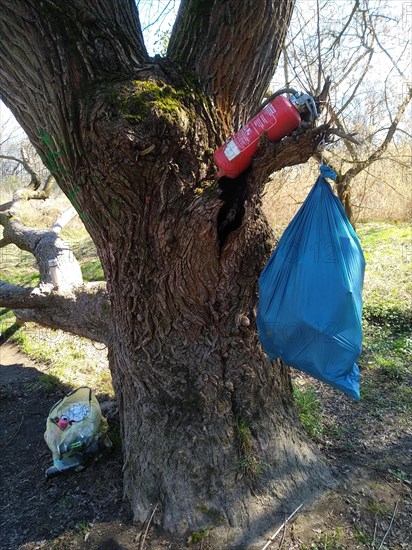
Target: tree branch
{"x":345,"y":27}
{"x":357,"y":85}
{"x":35,"y":180}
{"x":6,"y":206}
{"x":295,"y":149}
{"x":361,"y":165}
{"x":44,"y":245}
{"x":343,"y":135}
{"x":48,"y":185}
{"x":350,"y":69}
{"x":233,"y":47}
{"x":385,"y":50}
{"x":85,"y":311}
{"x":63,"y":220}
{"x":271,"y":157}
{"x":32,"y":190}
{"x":336,"y":120}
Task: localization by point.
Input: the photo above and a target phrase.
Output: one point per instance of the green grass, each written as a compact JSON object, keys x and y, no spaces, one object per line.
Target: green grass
{"x":386,"y":360}
{"x":248,"y":465}
{"x":18,"y":266}
{"x":310,"y":410}
{"x":388,"y":282}
{"x":72,"y":361}
{"x":244,"y":437}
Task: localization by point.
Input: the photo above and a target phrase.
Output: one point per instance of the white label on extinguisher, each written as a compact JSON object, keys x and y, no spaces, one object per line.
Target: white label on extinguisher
{"x":231,"y":150}
{"x":270,"y":109}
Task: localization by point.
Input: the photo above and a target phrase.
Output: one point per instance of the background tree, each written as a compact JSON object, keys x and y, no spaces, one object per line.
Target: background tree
{"x":40,"y":182}
{"x":72,"y":300}
{"x":349,"y":41}
{"x":130,"y":141}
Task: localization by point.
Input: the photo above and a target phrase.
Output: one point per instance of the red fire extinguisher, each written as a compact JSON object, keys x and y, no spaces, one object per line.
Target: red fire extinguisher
{"x":277,"y":116}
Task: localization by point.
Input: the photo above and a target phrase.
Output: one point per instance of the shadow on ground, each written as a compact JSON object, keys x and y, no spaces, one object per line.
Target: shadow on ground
{"x":85,"y":510}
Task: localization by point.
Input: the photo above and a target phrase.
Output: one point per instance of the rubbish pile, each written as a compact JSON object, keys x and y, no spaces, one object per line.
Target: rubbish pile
{"x":75,"y":431}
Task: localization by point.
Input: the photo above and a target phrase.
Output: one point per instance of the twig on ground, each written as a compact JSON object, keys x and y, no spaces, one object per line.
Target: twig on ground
{"x":141,"y":545}
{"x":282,"y":538}
{"x":14,"y":435}
{"x":390,"y":526}
{"x":272,"y":538}
{"x":374,"y":532}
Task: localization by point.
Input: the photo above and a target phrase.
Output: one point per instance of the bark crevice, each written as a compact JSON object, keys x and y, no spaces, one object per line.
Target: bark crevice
{"x":234,"y":194}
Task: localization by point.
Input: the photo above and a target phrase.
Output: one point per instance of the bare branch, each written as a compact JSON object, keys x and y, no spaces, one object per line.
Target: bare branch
{"x":32,"y":190}
{"x":382,"y":180}
{"x":343,"y":135}
{"x":357,"y":85}
{"x":35,"y":180}
{"x":63,"y":220}
{"x":84,"y":311}
{"x":48,"y":185}
{"x":385,"y":51}
{"x":45,"y":245}
{"x":341,"y":128}
{"x":271,"y":157}
{"x":165,"y":11}
{"x":384,"y":145}
{"x":404,"y":132}
{"x":6,"y":206}
{"x":318,"y":88}
{"x":345,"y":27}
{"x":350,"y":69}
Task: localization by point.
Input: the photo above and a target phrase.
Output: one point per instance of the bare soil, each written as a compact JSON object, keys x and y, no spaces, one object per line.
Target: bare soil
{"x":370,"y":452}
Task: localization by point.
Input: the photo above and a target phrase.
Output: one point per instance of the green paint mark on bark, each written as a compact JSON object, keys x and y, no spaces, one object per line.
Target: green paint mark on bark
{"x":52,"y":159}
{"x":71,"y":195}
{"x":52,"y":155}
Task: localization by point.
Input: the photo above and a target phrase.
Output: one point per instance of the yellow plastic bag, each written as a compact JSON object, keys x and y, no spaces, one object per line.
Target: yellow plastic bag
{"x":73,"y":428}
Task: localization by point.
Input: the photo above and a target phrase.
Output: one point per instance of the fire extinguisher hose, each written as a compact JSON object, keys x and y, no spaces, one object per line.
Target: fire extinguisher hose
{"x":272,"y":97}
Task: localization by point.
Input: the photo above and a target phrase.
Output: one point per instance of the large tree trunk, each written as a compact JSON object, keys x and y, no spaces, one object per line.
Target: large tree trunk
{"x":209,"y":427}
{"x":343,"y":189}
{"x":210,"y":433}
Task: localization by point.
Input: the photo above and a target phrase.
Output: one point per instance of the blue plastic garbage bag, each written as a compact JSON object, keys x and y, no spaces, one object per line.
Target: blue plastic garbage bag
{"x":310,"y":292}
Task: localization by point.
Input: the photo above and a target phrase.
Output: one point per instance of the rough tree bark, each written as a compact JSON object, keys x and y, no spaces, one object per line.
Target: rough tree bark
{"x":208,"y":424}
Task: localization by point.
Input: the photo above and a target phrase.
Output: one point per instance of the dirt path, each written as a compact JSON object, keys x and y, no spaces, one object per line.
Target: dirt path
{"x":371,"y":456}
{"x":33,"y":510}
